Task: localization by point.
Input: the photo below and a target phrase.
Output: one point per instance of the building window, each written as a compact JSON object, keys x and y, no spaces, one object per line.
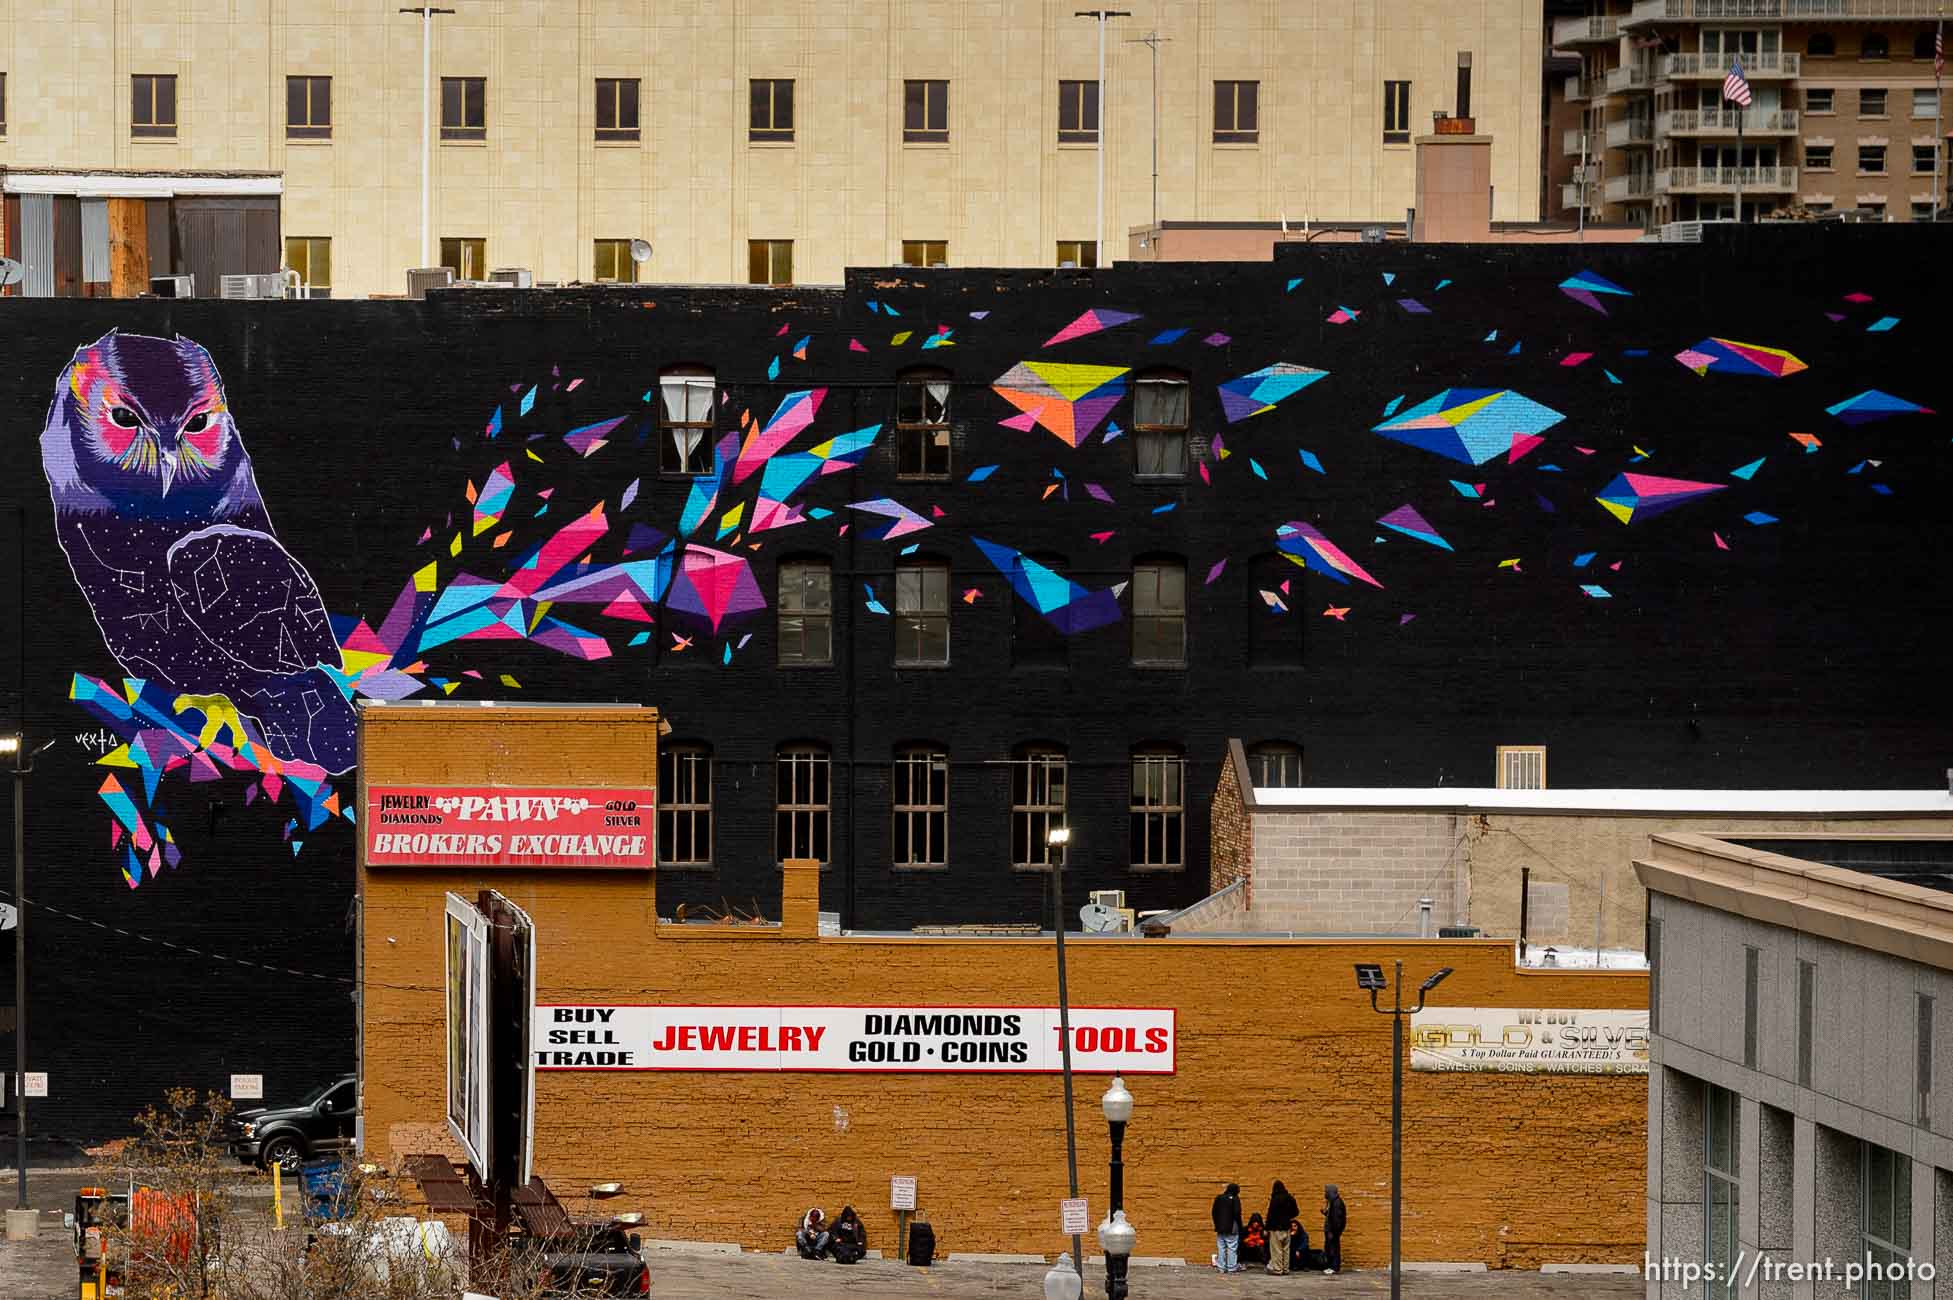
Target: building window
{"x":1521,"y":767}
{"x":685,"y":419}
{"x":1817,"y":157}
{"x":617,"y":108}
{"x":1925,"y":102}
{"x":152,"y":112}
{"x":772,"y":101}
{"x":1922,"y":209}
{"x":1924,"y":156}
{"x":1752,"y":963}
{"x":1806,"y":1019}
{"x":467,"y":258}
{"x":1159,"y":809}
{"x":925,"y":252}
{"x":925,"y":112}
{"x":1654,"y":972}
{"x":1871,"y":160}
{"x":1396,"y":112}
{"x":1871,"y":102}
{"x":1887,"y":1222}
{"x":1922,"y":1076}
{"x":1822,"y":45}
{"x":1922,"y":45}
{"x":311,"y":257}
{"x":1275,"y":765}
{"x":3,"y":103}
{"x":1035,"y":641}
{"x":805,"y":603}
{"x":801,"y":793}
{"x":1237,"y":112}
{"x":1723,"y":1193}
{"x":1078,"y":112}
{"x":308,"y":108}
{"x":684,"y":805}
{"x":921,"y":804}
{"x":1876,"y":211}
{"x":922,"y":425}
{"x":464,"y":108}
{"x":769,"y":261}
{"x":613,"y":261}
{"x":1159,"y":614}
{"x":1875,"y":46}
{"x":1817,"y":99}
{"x":922,"y":613}
{"x":1159,"y":420}
{"x":1081,"y":253}
{"x":1038,"y":780}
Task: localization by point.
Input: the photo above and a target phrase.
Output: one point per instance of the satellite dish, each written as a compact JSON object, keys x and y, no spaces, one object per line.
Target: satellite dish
{"x":11,"y":271}
{"x":1097,"y":918}
{"x":640,"y":251}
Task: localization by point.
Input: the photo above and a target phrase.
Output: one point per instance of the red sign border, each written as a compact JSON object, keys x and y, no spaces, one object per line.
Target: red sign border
{"x":392,"y":862}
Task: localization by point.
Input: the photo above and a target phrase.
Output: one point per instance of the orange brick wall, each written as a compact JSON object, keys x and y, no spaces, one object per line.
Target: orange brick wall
{"x":1283,"y":1071}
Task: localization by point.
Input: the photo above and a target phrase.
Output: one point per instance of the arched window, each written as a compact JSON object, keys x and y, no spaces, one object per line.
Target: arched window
{"x":1159,"y":807}
{"x":921,"y":613}
{"x":802,"y":802}
{"x":1875,"y":45}
{"x":919,"y":801}
{"x":922,"y":424}
{"x":1159,"y":612}
{"x":684,"y":804}
{"x":1922,"y":45}
{"x":1159,"y":424}
{"x":804,"y":609}
{"x":1038,"y":794}
{"x":1035,"y":641}
{"x":1275,"y":765}
{"x":1822,"y":45}
{"x":1275,"y":626}
{"x":685,"y":396}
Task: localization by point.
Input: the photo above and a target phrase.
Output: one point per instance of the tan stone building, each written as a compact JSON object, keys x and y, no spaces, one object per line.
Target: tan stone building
{"x":1842,"y":114}
{"x":781,"y":139}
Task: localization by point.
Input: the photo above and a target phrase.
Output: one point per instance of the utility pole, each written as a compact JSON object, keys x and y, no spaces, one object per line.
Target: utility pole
{"x":1098,"y":230}
{"x":1155,"y":40}
{"x":1939,"y":96}
{"x":426,"y":13}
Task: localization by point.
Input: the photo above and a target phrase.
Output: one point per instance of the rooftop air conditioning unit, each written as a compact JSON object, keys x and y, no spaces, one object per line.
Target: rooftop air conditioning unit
{"x":1113,"y":898}
{"x":422,"y":278}
{"x":521,"y":277}
{"x":252,"y":286}
{"x":1457,"y":932}
{"x":1372,"y":234}
{"x":173,"y":286}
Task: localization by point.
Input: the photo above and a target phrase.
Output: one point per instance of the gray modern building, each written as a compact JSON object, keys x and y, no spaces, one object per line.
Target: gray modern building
{"x":1797,"y":1140}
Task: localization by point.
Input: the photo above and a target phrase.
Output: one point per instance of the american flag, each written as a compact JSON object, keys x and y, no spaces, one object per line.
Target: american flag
{"x":1734,"y":88}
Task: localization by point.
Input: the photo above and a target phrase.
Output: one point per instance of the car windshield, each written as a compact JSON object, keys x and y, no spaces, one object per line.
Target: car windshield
{"x":319,"y":1092}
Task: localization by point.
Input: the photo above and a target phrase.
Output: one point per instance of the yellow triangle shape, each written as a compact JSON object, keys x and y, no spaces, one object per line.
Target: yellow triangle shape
{"x":1071,"y":380}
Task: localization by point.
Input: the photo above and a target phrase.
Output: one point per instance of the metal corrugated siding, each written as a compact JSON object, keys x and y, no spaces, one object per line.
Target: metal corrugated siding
{"x":94,"y":241}
{"x":37,"y":244}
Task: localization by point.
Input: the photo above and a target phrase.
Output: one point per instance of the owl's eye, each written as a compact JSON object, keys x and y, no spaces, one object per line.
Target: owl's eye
{"x":197,"y":423}
{"x":124,"y":418}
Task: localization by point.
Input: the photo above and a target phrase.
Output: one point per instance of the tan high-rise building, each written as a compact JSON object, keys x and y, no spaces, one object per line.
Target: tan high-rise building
{"x":757,"y":139}
{"x":1843,"y":110}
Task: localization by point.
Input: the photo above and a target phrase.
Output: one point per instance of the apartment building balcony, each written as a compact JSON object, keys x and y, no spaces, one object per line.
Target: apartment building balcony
{"x":1781,"y":66}
{"x":1585,"y":31}
{"x":1723,"y":180}
{"x":1578,"y":89}
{"x":1630,"y":76}
{"x":1631,"y":133}
{"x":1716,"y":123}
{"x":1635,"y":187}
{"x":1654,"y":11}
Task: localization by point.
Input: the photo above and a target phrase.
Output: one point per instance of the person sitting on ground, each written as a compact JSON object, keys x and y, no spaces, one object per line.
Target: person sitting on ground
{"x":1299,"y":1253}
{"x":850,"y":1238}
{"x":1254,"y":1242}
{"x":813,"y":1239}
{"x":1281,"y":1210}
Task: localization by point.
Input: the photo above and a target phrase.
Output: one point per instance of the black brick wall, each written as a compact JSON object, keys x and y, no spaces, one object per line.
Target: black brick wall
{"x":1809,"y":653}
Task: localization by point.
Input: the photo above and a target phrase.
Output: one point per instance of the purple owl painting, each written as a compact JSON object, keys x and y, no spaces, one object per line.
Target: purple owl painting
{"x":158,"y":512}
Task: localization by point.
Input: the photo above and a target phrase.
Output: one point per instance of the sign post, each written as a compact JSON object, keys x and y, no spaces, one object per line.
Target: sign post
{"x":1076,"y":1219}
{"x":901,"y":1199}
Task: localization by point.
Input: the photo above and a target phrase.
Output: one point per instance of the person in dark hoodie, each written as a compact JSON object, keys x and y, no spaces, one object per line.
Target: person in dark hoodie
{"x":850,"y":1243}
{"x":1298,"y":1246}
{"x":1282,"y":1210}
{"x":1335,"y":1217}
{"x":1227,"y":1229}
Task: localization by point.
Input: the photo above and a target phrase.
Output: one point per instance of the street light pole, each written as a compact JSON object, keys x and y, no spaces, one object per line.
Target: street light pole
{"x":1098,"y":229}
{"x":1059,"y":838}
{"x":1116,"y":1235}
{"x":14,"y":747}
{"x":426,"y":13}
{"x":1370,"y":977}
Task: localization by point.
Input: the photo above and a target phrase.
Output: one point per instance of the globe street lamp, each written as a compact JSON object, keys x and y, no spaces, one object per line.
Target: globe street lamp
{"x":1116,"y":1236}
{"x":1063,"y":1281}
{"x":1369,"y":978}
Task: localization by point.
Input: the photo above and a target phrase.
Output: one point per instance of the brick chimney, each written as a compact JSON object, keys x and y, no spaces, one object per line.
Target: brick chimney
{"x":1454,"y":174}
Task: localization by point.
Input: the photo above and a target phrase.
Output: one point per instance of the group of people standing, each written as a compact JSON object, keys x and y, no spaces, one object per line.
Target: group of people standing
{"x":1277,"y":1241}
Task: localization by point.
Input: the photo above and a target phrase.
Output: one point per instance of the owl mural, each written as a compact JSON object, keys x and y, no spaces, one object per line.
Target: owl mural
{"x":159,"y":515}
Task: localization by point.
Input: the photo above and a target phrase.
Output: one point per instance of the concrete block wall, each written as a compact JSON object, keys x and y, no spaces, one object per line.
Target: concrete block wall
{"x":1334,"y":872}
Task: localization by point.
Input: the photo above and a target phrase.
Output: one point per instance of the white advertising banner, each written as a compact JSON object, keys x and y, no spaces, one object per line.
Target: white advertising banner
{"x":1529,"y":1040}
{"x":973,"y":1040}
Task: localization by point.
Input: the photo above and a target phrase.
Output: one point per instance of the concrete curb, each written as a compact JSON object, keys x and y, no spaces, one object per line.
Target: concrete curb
{"x":996,"y":1259}
{"x":694,"y":1247}
{"x":1590,"y":1268}
{"x":1436,"y":1266}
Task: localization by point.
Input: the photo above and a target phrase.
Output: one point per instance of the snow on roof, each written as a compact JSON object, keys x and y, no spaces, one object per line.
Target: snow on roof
{"x":1772,"y":803}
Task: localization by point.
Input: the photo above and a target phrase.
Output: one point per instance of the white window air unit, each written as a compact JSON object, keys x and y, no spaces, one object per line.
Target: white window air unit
{"x":422,"y":278}
{"x":521,"y":277}
{"x":1113,"y":898}
{"x":173,"y":286}
{"x":252,"y":286}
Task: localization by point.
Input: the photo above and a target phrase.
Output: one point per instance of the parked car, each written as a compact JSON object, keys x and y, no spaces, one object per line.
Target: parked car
{"x":287,"y":1136}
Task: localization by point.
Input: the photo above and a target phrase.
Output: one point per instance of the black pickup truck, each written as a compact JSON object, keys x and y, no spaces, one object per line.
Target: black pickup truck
{"x":596,"y":1260}
{"x":287,"y":1136}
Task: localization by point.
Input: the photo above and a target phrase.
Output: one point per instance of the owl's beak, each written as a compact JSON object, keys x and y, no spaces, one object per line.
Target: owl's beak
{"x":169,"y":469}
